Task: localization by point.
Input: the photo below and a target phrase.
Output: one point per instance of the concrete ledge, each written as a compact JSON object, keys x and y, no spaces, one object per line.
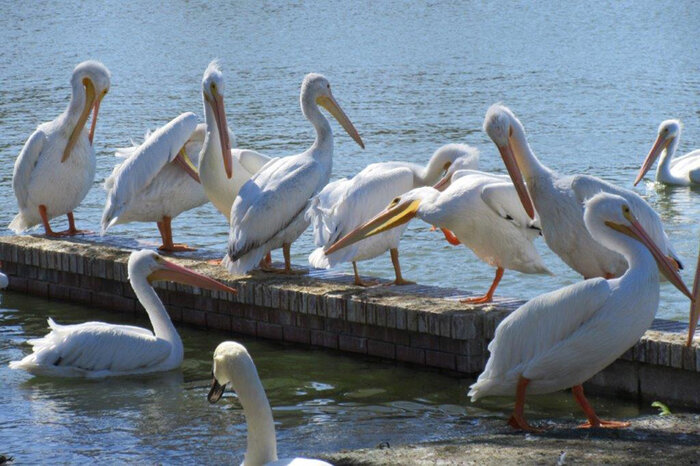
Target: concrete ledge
{"x":416,"y":324}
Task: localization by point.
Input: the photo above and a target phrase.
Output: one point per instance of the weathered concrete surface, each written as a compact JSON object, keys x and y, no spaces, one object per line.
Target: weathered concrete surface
{"x":651,"y":440}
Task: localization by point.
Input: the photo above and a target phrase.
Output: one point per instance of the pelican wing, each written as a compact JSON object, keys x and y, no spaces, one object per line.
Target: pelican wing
{"x":502,"y":198}
{"x":143,"y":165}
{"x":690,"y":164}
{"x":320,"y":211}
{"x":25,"y":164}
{"x":250,"y":160}
{"x":96,"y":346}
{"x":270,"y":201}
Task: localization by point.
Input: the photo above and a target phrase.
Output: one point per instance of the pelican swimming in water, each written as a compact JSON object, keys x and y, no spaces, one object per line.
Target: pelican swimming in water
{"x":562,"y":338}
{"x":97,"y":349}
{"x":158,"y":180}
{"x":269,"y":211}
{"x":482,"y":210}
{"x":222,"y":170}
{"x":346,"y":204}
{"x":559,"y":202}
{"x":233,"y":364}
{"x":56,"y":167}
{"x":681,"y":171}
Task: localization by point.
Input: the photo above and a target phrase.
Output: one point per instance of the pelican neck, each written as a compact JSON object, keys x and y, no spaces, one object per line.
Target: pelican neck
{"x":160,"y":320}
{"x":663,"y":170}
{"x":323,"y":144}
{"x":526,"y":159}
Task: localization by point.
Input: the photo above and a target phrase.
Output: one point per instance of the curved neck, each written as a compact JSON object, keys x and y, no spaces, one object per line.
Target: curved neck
{"x":262,"y":444}
{"x":525,"y":158}
{"x":641,"y":262}
{"x":75,"y":107}
{"x":663,"y":170}
{"x":160,"y":320}
{"x":430,"y":174}
{"x":323,"y":145}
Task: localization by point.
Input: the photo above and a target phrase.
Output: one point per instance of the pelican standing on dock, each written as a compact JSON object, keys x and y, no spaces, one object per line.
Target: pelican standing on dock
{"x":222,"y":170}
{"x":269,"y":211}
{"x":158,"y":180}
{"x":559,"y":202}
{"x":56,"y":167}
{"x":97,"y":349}
{"x":561,"y":339}
{"x":233,"y":364}
{"x":681,"y":171}
{"x":482,"y":210}
{"x":346,"y":204}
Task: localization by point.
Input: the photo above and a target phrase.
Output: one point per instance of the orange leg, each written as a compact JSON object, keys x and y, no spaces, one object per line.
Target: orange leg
{"x":593,"y":419}
{"x":450,"y":237}
{"x":517,"y":419}
{"x":166,"y":234}
{"x":287,"y":270}
{"x":71,"y":227}
{"x":397,"y":269}
{"x":45,"y":221}
{"x":358,"y":281}
{"x":488,"y":297}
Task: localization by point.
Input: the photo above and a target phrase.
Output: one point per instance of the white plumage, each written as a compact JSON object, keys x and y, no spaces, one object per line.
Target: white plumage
{"x":233,"y":364}
{"x":97,"y":349}
{"x":269,"y":210}
{"x":679,"y":171}
{"x":56,"y":167}
{"x":220,"y":186}
{"x":150,"y":186}
{"x":344,"y":205}
{"x":561,"y":339}
{"x":559,"y":201}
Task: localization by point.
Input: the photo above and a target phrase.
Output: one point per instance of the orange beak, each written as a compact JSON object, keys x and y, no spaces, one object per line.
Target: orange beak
{"x":82,"y":119}
{"x":217,"y":104}
{"x":517,"y":178}
{"x":694,"y":306}
{"x":659,"y":145}
{"x":186,"y":164}
{"x":176,"y":273}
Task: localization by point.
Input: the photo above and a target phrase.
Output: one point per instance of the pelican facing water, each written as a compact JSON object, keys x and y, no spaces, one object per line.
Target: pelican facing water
{"x":269,"y":210}
{"x":56,"y":167}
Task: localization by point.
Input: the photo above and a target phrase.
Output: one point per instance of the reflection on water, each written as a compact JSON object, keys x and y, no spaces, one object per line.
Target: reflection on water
{"x":322,"y":401}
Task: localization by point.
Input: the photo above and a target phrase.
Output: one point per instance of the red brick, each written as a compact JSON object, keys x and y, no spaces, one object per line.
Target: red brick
{"x":18,"y":284}
{"x":440,"y":359}
{"x":271,"y":331}
{"x":243,"y":326}
{"x":175,"y":312}
{"x":194,"y":317}
{"x":219,"y":321}
{"x":59,"y":292}
{"x":352,"y":344}
{"x":408,"y":354}
{"x":325,"y":339}
{"x":400,"y":337}
{"x":381,"y":349}
{"x":80,"y":295}
{"x":336,"y":325}
{"x":425,"y":341}
{"x":278,"y":316}
{"x":296,"y":334}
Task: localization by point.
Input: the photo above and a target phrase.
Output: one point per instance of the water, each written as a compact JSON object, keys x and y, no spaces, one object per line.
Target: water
{"x":591,"y":83}
{"x":322,"y":401}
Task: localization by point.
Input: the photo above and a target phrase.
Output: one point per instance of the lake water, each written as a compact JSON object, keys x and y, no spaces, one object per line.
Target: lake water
{"x":591,"y":83}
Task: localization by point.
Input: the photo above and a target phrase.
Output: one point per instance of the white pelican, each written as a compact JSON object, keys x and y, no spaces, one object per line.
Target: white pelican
{"x":346,"y":204}
{"x":483,"y":212}
{"x":97,"y":349}
{"x":222,"y":170}
{"x":681,"y":171}
{"x":56,"y":167}
{"x":562,"y":338}
{"x":269,"y":210}
{"x":233,"y":364}
{"x":559,"y":201}
{"x":157,"y":181}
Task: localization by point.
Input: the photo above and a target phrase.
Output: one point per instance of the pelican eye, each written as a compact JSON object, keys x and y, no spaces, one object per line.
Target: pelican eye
{"x":395,"y":201}
{"x":625,"y":209}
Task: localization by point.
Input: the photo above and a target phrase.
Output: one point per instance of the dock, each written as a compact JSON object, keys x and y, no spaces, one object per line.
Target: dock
{"x":422,"y":325}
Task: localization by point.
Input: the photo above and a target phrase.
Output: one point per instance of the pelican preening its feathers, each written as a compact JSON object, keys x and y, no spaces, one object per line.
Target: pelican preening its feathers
{"x":344,"y":205}
{"x":269,"y":211}
{"x":56,"y":167}
{"x":679,"y":171}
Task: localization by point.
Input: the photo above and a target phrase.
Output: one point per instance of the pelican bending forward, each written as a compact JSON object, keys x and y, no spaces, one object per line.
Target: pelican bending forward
{"x":346,"y":204}
{"x":233,"y":364}
{"x":561,"y":339}
{"x":222,"y":170}
{"x":481,"y":209}
{"x":97,"y":349}
{"x":158,"y":180}
{"x":559,"y":202}
{"x":56,"y":167}
{"x":269,"y":211}
{"x":681,"y":171}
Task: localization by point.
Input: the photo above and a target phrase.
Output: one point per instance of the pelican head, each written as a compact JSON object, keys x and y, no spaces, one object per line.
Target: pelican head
{"x":153,"y":267}
{"x":499,"y":124}
{"x":612,"y":211}
{"x":213,"y":94}
{"x":668,"y":131}
{"x":465,"y":158}
{"x":316,"y":88}
{"x":94,"y":77}
{"x":399,"y":211}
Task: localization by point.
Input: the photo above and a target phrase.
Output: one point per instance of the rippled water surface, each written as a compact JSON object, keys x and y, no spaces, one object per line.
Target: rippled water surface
{"x":591,"y":82}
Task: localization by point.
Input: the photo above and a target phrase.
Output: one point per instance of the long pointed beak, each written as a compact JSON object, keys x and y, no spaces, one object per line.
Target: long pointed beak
{"x":89,"y":101}
{"x":93,"y":125}
{"x":184,"y":161}
{"x":666,"y":266}
{"x":444,"y":182}
{"x":389,"y":218}
{"x":659,"y":145}
{"x":694,"y":306}
{"x":222,"y":126}
{"x":517,"y":178}
{"x":176,"y":273}
{"x":330,"y":104}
